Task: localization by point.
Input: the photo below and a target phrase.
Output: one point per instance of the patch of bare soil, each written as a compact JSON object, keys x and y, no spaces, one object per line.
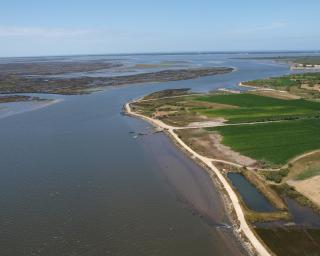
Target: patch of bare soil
{"x":310,"y":188}
{"x":180,"y":119}
{"x":307,"y":162}
{"x":315,"y":87}
{"x":209,"y":144}
{"x":283,"y":95}
{"x":208,"y":123}
{"x":159,"y":114}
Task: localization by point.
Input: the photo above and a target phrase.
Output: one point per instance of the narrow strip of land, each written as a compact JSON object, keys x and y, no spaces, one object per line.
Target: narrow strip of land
{"x":243,"y":224}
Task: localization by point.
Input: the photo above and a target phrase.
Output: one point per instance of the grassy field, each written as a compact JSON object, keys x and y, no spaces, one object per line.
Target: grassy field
{"x":173,"y":111}
{"x":295,"y":84}
{"x":275,"y":82}
{"x":305,"y":168}
{"x":287,"y":81}
{"x":270,"y":143}
{"x":273,"y":143}
{"x":253,"y":108}
{"x":235,"y":108}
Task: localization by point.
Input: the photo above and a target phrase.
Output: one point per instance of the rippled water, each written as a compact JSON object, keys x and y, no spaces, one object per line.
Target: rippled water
{"x":74,"y":181}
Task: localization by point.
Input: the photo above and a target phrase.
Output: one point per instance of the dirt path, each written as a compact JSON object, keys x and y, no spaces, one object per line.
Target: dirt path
{"x":304,"y":155}
{"x":295,"y":159}
{"x":244,"y":226}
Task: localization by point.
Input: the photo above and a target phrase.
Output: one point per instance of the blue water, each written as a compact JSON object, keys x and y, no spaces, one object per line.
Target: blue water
{"x":74,"y":181}
{"x":250,"y":195}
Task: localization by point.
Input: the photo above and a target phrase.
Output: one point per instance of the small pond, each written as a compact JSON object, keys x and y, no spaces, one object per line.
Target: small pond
{"x":250,"y":195}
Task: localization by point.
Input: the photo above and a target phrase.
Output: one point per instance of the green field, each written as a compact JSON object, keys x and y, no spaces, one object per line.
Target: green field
{"x":305,"y":85}
{"x":255,"y":108}
{"x":286,"y":82}
{"x":278,"y":82}
{"x":273,"y":143}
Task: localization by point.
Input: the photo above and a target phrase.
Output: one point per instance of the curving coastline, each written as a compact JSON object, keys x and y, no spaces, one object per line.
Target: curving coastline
{"x":242,"y":225}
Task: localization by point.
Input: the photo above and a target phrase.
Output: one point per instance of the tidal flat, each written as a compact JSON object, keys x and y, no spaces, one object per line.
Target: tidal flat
{"x":75,"y":76}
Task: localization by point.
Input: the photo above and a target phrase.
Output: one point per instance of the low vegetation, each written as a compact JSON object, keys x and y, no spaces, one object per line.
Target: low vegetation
{"x":306,"y":85}
{"x":287,"y":190}
{"x":309,"y":173}
{"x":12,"y":80}
{"x":17,"y":98}
{"x":275,"y":176}
{"x":308,"y":60}
{"x":254,"y":216}
{"x":262,"y":132}
{"x":232,"y":108}
{"x":273,"y":143}
{"x":256,"y":108}
{"x":167,"y":93}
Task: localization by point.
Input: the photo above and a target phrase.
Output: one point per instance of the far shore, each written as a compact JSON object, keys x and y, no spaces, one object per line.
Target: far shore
{"x":33,"y":106}
{"x":11,"y":83}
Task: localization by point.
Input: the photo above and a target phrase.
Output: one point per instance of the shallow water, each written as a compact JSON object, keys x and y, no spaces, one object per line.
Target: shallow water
{"x":74,"y":181}
{"x":253,"y":199}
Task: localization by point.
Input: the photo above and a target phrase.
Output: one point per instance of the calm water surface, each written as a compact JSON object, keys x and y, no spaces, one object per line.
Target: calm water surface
{"x":250,"y":194}
{"x":74,"y":181}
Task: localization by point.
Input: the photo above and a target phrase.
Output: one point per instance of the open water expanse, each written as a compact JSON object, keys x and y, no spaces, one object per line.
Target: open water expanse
{"x":75,"y":181}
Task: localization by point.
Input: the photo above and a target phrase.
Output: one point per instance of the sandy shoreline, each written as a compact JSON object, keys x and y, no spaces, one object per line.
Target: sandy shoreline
{"x":242,"y":225}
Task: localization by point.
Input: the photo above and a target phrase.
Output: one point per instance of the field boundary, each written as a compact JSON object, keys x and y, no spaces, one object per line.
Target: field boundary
{"x":244,"y":227}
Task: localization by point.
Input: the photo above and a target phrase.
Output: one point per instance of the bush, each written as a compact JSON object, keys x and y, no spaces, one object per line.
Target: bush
{"x":276,"y":176}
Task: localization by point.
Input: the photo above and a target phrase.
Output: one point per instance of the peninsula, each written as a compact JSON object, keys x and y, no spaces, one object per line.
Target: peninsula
{"x":269,"y":135}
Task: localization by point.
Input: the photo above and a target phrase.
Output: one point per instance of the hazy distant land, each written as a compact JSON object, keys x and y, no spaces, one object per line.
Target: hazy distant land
{"x":54,"y":77}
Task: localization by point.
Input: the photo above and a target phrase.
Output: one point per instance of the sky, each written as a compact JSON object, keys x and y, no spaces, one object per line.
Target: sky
{"x":65,"y":27}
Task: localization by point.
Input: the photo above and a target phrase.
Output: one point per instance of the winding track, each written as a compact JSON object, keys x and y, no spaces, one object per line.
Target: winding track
{"x":244,"y":226}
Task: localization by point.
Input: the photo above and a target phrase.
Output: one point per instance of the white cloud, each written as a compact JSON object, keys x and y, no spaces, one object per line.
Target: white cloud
{"x":9,"y":31}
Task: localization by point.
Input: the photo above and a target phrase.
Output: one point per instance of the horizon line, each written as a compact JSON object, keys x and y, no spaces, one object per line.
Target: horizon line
{"x":164,"y":53}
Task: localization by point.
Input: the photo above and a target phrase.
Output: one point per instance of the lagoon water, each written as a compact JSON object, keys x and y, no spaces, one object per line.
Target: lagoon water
{"x":74,"y":181}
{"x":253,"y":199}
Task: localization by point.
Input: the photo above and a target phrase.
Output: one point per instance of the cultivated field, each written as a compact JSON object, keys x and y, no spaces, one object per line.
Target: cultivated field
{"x":255,"y":108}
{"x":274,"y":143}
{"x":227,"y":108}
{"x":266,"y":131}
{"x":271,"y":137}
